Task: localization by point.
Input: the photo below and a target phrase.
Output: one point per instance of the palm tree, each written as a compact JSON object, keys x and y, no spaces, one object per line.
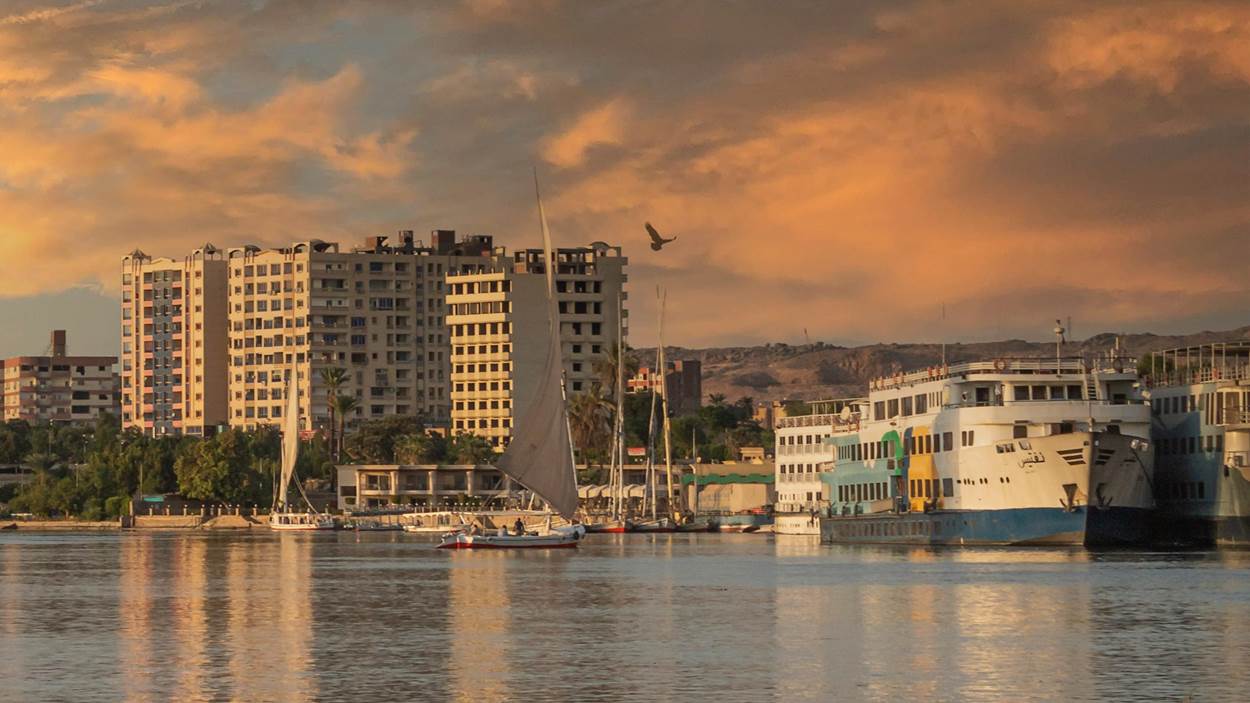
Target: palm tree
{"x":333,"y":377}
{"x":605,"y":369}
{"x":343,"y":406}
{"x":590,"y":419}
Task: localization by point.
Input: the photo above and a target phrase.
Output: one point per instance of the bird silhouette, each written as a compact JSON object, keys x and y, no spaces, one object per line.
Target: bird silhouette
{"x":657,"y":242}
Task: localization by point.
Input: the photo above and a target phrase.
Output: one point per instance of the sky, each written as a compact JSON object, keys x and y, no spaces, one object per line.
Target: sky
{"x":833,"y":171}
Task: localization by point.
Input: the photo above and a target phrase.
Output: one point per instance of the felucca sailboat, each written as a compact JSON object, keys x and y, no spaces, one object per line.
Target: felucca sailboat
{"x":667,"y":523}
{"x":281,"y":516}
{"x":540,"y":454}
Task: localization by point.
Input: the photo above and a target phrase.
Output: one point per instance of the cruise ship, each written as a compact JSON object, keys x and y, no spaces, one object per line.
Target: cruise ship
{"x":1200,"y":403}
{"x":1003,"y":452}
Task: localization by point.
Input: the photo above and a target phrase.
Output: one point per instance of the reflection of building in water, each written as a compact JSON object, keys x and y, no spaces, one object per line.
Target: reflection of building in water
{"x":13,"y":664}
{"x":134,"y":609}
{"x":269,"y":618}
{"x":480,"y":626}
{"x":190,"y":620}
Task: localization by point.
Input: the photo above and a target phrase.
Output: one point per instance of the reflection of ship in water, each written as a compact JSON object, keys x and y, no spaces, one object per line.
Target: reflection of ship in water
{"x":478,"y":604}
{"x":1028,"y":451}
{"x":1200,"y":403}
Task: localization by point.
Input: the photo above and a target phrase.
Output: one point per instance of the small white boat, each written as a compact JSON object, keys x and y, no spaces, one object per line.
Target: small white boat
{"x":432,"y":529}
{"x":300,"y":521}
{"x":558,"y":538}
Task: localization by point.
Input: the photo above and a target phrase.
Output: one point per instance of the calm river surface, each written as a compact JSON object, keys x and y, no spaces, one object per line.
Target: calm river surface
{"x":384,"y":617}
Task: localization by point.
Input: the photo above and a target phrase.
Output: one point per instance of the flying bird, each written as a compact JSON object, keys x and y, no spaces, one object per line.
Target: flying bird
{"x":657,"y":242}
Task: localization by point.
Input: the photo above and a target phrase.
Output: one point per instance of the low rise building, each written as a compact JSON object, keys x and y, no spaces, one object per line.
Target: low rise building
{"x":427,"y":486}
{"x":58,"y":387}
{"x":683,"y":382}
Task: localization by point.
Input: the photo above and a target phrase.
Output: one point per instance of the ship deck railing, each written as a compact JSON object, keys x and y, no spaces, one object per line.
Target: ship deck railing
{"x":1003,"y":366}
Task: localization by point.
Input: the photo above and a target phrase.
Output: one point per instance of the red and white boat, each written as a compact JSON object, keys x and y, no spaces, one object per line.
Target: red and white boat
{"x":540,"y":454}
{"x":558,"y":538}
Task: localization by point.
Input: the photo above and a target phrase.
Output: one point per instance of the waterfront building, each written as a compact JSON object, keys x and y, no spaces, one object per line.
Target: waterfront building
{"x":376,"y":311}
{"x":803,"y":450}
{"x":1010,"y":451}
{"x":366,"y":486}
{"x":497,"y":320}
{"x":58,"y":387}
{"x":684,"y":379}
{"x":174,"y":355}
{"x":209,"y":339}
{"x":1200,"y":407}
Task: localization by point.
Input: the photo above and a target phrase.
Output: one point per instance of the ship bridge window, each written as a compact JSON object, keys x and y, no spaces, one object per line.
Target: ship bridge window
{"x":1019,"y":430}
{"x":922,"y":404}
{"x":907,"y":406}
{"x":1039,"y":392}
{"x":878,"y":410}
{"x":892,"y":407}
{"x":1021,"y":393}
{"x":1056,"y":392}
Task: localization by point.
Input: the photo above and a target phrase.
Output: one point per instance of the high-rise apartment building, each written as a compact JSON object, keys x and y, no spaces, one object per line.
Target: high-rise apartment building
{"x":376,"y":311}
{"x":498,"y":322}
{"x":173,"y":358}
{"x":57,"y":387}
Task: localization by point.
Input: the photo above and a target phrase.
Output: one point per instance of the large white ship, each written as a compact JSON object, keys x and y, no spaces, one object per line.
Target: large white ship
{"x":1200,"y":401}
{"x":1011,"y":451}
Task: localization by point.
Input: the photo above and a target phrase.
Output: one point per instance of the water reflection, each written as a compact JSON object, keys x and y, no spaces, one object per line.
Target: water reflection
{"x":189,"y":616}
{"x":478,"y":610}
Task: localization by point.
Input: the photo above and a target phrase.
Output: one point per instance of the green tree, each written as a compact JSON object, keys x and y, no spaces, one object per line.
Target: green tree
{"x":590,"y":419}
{"x":344,"y":405}
{"x":470,"y":449}
{"x":421,"y":449}
{"x":333,"y":377}
{"x":373,"y":441}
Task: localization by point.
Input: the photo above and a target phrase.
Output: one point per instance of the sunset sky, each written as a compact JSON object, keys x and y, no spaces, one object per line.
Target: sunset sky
{"x":839,"y":167}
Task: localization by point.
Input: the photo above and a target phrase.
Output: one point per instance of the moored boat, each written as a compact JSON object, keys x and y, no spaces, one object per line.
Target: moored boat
{"x":556,"y":538}
{"x":281,"y":516}
{"x":1017,"y":452}
{"x":1200,"y":407}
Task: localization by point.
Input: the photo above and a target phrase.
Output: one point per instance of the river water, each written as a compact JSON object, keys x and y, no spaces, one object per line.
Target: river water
{"x":384,"y":617}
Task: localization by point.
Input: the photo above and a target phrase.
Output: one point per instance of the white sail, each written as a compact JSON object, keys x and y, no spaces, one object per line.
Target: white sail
{"x":539,"y":456}
{"x":290,"y":439}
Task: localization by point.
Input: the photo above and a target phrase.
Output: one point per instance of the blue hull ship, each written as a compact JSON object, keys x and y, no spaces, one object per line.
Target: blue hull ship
{"x":1009,"y":452}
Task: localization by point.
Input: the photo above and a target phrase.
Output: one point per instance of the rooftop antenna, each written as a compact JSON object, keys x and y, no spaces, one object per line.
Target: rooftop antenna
{"x":1059,"y":340}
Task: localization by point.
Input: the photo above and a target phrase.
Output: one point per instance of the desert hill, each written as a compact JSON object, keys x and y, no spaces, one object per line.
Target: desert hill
{"x":819,"y":370}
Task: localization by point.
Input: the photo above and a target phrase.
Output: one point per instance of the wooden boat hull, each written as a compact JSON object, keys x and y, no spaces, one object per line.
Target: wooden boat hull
{"x":614,"y":527}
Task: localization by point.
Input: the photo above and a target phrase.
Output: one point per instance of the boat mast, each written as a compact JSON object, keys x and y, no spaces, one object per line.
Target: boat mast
{"x":651,"y":447}
{"x":618,"y":446}
{"x":668,"y":450}
{"x":694,"y":466}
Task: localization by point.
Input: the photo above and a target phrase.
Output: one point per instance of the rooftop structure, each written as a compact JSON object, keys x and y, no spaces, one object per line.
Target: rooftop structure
{"x":58,"y":387}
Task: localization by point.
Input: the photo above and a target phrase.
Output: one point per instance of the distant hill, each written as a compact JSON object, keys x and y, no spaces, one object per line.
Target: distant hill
{"x":819,"y":370}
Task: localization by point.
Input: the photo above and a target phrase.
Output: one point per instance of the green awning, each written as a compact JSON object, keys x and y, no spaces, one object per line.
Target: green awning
{"x":711,"y":479}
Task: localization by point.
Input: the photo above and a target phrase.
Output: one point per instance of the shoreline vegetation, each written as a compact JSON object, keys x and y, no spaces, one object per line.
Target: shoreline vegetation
{"x":92,"y":474}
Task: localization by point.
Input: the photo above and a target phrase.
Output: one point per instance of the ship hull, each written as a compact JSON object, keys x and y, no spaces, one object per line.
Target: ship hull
{"x":1084,"y":526}
{"x":1099,"y":484}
